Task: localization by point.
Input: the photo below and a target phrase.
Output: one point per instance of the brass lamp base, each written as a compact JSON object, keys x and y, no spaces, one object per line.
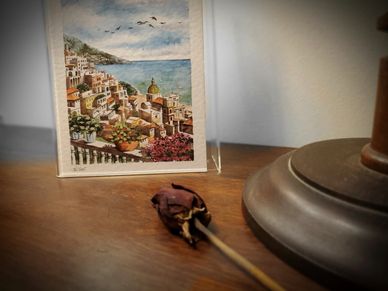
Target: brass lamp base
{"x":324,"y":212}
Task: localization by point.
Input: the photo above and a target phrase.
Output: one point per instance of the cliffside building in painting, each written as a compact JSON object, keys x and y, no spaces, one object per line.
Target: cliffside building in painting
{"x":100,"y":95}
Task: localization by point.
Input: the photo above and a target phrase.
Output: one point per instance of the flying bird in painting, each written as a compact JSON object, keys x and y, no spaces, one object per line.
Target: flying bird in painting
{"x":107,"y":31}
{"x":118,"y":28}
{"x":142,"y":22}
{"x":154,"y":18}
{"x":163,"y":22}
{"x":150,"y":25}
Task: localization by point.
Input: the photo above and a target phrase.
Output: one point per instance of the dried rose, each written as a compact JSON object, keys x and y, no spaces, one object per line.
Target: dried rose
{"x":184,"y":212}
{"x":178,"y":207}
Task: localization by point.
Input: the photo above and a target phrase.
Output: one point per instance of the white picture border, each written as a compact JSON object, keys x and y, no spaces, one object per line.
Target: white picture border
{"x":54,"y":28}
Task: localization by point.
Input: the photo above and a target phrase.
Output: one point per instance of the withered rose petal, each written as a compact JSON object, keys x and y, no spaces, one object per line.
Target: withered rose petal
{"x":178,"y":206}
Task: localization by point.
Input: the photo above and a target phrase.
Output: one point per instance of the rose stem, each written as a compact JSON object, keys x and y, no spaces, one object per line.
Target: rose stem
{"x":238,"y":259}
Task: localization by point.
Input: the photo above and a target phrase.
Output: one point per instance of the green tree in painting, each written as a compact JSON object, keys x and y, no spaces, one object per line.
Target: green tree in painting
{"x":130,"y":89}
{"x":83,"y":87}
{"x":85,"y":49}
{"x":116,"y":108}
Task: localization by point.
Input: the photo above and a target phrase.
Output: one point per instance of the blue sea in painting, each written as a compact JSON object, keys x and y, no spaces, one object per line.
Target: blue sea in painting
{"x":170,"y":76}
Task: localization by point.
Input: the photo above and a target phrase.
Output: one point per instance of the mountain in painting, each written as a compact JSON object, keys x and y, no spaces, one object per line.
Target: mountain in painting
{"x":92,"y":54}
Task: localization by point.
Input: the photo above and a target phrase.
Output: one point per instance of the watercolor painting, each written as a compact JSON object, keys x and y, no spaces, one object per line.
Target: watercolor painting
{"x":128,"y":76}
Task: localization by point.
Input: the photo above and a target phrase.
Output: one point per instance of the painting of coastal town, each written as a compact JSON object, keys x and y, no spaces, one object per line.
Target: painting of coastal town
{"x":129,"y":98}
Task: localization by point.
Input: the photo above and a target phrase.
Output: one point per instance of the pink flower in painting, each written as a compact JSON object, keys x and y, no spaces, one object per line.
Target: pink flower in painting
{"x":178,"y":147}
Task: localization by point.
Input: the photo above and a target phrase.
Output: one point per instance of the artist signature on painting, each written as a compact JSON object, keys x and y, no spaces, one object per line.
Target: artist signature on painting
{"x":79,"y":169}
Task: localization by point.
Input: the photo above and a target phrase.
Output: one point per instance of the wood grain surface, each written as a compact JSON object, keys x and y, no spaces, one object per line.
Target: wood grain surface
{"x":103,"y":234}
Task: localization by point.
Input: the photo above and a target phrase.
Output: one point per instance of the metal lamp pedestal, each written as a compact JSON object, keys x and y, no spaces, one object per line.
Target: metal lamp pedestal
{"x":324,"y":207}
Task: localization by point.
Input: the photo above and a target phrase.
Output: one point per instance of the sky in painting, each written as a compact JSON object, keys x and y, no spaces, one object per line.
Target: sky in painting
{"x":127,"y":29}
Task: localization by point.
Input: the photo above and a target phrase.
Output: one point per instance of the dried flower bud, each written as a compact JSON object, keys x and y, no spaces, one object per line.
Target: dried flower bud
{"x":177,"y":207}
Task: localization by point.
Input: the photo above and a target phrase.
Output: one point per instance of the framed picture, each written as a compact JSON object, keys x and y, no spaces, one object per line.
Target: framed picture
{"x":128,"y":86}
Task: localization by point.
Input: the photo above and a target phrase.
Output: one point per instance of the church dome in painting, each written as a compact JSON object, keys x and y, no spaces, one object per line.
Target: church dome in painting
{"x":153,"y":88}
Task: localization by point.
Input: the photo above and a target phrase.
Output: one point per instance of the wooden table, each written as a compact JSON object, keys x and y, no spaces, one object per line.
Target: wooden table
{"x":103,"y":234}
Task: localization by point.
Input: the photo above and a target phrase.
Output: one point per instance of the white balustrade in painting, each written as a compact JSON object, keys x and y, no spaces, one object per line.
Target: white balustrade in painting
{"x":86,"y":156}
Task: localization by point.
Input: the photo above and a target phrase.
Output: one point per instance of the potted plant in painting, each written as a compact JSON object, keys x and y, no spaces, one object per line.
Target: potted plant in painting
{"x":91,"y":127}
{"x":125,"y":138}
{"x":74,"y":127}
